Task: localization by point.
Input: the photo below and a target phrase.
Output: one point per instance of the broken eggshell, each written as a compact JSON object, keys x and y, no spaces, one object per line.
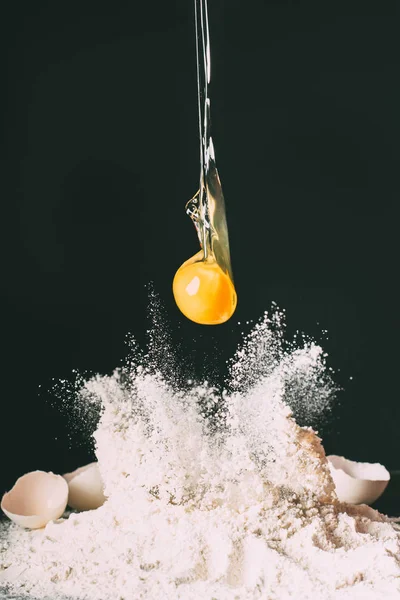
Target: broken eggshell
{"x":357,"y":482}
{"x":36,"y":498}
{"x":85,"y":488}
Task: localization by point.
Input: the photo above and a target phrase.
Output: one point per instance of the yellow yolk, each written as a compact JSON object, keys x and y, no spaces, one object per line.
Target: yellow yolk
{"x":204,"y":293}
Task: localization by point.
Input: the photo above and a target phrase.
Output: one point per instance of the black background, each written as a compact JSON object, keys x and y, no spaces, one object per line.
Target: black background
{"x":100,"y":153}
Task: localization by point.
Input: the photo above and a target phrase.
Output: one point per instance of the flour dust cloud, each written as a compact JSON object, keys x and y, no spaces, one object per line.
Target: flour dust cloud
{"x":212,"y":494}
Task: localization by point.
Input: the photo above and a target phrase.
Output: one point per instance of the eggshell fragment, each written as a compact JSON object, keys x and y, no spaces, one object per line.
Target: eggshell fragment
{"x":357,"y":482}
{"x":36,"y":498}
{"x":85,"y":488}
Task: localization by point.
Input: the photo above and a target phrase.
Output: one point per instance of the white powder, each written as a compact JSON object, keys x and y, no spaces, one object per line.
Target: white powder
{"x":210,"y":496}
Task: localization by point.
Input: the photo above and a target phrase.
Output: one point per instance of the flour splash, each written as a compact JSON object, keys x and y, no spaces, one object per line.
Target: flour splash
{"x":211,"y":494}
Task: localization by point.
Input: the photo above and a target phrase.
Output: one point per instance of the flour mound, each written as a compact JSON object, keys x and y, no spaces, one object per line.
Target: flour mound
{"x":210,"y":495}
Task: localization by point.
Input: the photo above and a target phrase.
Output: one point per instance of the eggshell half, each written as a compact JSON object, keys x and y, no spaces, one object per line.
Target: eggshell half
{"x":85,"y":488}
{"x":357,"y":482}
{"x":36,"y":498}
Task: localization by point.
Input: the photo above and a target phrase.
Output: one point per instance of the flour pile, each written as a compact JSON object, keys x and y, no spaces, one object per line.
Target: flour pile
{"x":211,"y":496}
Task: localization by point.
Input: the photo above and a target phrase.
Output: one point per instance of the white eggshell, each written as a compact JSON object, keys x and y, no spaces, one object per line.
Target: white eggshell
{"x":356,"y":482}
{"x":85,"y":488}
{"x":36,"y":498}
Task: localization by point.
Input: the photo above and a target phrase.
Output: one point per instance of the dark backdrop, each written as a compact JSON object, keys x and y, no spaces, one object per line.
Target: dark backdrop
{"x":100,"y":153}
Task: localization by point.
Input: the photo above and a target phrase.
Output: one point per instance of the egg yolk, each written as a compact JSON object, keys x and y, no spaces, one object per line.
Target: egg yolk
{"x":204,"y":293}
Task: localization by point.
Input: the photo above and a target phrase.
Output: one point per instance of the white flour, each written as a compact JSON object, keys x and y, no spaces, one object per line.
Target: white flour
{"x":211,"y":497}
